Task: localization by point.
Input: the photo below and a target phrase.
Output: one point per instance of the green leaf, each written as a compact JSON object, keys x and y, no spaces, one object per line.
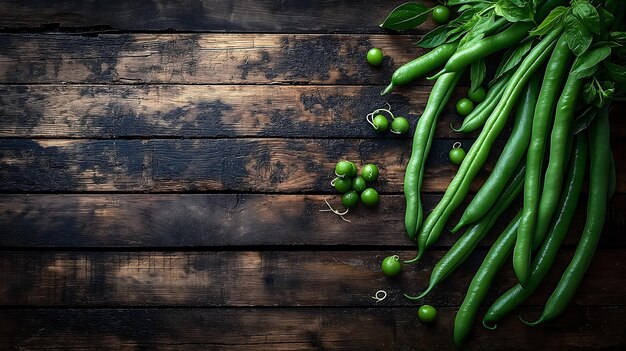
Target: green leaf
{"x":587,"y":63}
{"x":554,"y":18}
{"x":433,"y":38}
{"x":587,"y":14}
{"x":478,"y":70}
{"x":460,"y":2}
{"x":406,"y":16}
{"x":515,"y":11}
{"x":578,"y":37}
{"x":515,"y":58}
{"x":589,"y":93}
{"x":616,"y":72}
{"x":584,"y":119}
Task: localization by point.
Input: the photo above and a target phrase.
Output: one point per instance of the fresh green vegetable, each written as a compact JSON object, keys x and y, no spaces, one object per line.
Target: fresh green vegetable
{"x":456,"y":154}
{"x":477,"y":95}
{"x":599,"y":152}
{"x":511,"y":156}
{"x":427,"y":314}
{"x":370,"y":197}
{"x":464,"y":106}
{"x":546,"y":255}
{"x":369,"y":172}
{"x":441,"y":14}
{"x":380,"y":123}
{"x":420,"y":66}
{"x":479,"y":286}
{"x":350,"y":199}
{"x":400,"y":125}
{"x":342,"y":184}
{"x":344,"y":168}
{"x":375,"y":57}
{"x":359,"y":184}
{"x":479,"y":115}
{"x":391,"y":266}
{"x":422,"y":139}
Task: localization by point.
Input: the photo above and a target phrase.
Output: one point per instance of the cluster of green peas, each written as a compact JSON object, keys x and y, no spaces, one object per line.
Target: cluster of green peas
{"x":354,"y":187}
{"x":399,"y":125}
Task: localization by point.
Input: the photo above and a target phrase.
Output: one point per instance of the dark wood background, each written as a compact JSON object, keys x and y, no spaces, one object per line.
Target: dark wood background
{"x":162,"y":166}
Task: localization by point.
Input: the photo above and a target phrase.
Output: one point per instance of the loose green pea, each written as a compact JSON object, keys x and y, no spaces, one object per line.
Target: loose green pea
{"x":350,"y":199}
{"x":342,"y":184}
{"x":370,"y":197}
{"x":359,"y":184}
{"x":457,"y":154}
{"x":400,"y":125}
{"x":375,"y":57}
{"x":380,"y":123}
{"x":369,"y":172}
{"x":391,"y":266}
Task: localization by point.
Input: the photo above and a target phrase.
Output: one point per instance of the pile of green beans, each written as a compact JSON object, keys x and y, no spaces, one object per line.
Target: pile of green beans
{"x":537,"y":179}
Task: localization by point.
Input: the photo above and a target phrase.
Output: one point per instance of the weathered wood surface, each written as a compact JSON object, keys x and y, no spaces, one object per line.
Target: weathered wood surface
{"x":191,"y":15}
{"x":112,"y":111}
{"x":201,"y":58}
{"x":258,"y":165}
{"x":272,"y":278}
{"x":229,"y":220}
{"x":297,"y":328}
{"x":167,"y":165}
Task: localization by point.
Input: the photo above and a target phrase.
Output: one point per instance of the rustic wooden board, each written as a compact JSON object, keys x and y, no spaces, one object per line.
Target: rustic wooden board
{"x":110,"y":111}
{"x":270,"y":278}
{"x":189,"y":15}
{"x":260,"y":165}
{"x":228,"y":220}
{"x":201,"y":58}
{"x":297,"y":328}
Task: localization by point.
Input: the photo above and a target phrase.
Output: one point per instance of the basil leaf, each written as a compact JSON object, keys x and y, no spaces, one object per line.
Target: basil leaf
{"x":584,"y":119}
{"x":515,"y":58}
{"x":587,"y":14}
{"x":587,"y":63}
{"x":513,"y":12}
{"x":406,"y":16}
{"x":554,"y":18}
{"x":478,"y":70}
{"x":616,"y":72}
{"x":433,"y":38}
{"x":577,"y":35}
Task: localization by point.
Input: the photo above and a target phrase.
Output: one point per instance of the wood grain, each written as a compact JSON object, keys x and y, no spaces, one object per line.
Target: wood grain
{"x":270,"y":278}
{"x":259,"y":165}
{"x":297,"y":328}
{"x":201,"y":58}
{"x":189,"y":15}
{"x":110,"y":111}
{"x":229,"y":220}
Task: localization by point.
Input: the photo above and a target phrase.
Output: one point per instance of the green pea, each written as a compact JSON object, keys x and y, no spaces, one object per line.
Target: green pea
{"x":350,"y":199}
{"x":400,"y":125}
{"x":391,"y":266}
{"x":342,"y":184}
{"x":380,"y":123}
{"x":464,"y":106}
{"x":359,"y":184}
{"x":375,"y":57}
{"x":457,"y":154}
{"x":370,"y":197}
{"x":343,"y":168}
{"x":477,"y":95}
{"x":441,"y":14}
{"x":369,"y":172}
{"x":427,"y":314}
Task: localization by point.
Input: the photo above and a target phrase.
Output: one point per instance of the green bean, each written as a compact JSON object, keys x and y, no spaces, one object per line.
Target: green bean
{"x":477,"y":155}
{"x":497,"y":255}
{"x":479,"y":115}
{"x":459,"y":252}
{"x":512,"y":154}
{"x":420,"y":66}
{"x":422,"y":139}
{"x":568,"y":201}
{"x":599,"y":152}
{"x":543,"y":114}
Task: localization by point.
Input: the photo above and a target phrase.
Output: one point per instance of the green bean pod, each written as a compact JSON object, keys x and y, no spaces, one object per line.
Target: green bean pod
{"x":512,"y":154}
{"x":459,"y":252}
{"x":477,"y":155}
{"x":422,"y":140}
{"x":599,"y":152}
{"x":479,"y":115}
{"x":473,"y":52}
{"x":497,"y":255}
{"x":555,"y":70}
{"x":546,"y":255}
{"x":420,"y":66}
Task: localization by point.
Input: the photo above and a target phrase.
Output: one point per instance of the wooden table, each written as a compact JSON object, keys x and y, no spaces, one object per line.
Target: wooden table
{"x":162,"y":167}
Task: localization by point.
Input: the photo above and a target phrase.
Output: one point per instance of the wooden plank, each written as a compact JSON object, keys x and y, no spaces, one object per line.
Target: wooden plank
{"x":201,"y":58}
{"x":298,"y":328}
{"x":258,"y":165}
{"x":263,"y":165}
{"x":96,"y":111}
{"x":220,"y":220}
{"x":188,"y":15}
{"x":271,"y":278}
